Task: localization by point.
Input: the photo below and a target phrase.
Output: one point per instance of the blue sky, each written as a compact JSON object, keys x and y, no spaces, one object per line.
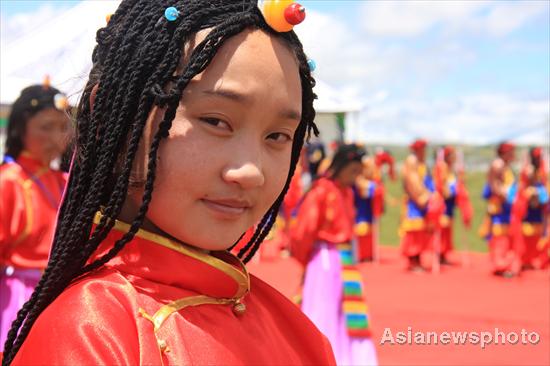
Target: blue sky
{"x":13,"y":7}
{"x":446,"y":70}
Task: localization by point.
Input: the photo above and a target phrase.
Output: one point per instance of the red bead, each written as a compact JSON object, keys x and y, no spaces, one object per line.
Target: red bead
{"x":295,"y":13}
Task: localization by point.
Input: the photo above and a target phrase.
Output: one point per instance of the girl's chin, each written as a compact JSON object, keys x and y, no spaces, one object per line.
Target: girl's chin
{"x":210,"y":245}
{"x":207,"y":247}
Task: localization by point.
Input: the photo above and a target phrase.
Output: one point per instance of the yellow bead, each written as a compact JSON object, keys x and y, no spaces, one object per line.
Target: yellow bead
{"x":239,"y":308}
{"x":274,"y":14}
{"x":163,"y":346}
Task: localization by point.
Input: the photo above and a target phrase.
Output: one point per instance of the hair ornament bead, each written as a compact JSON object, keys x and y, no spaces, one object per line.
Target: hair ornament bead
{"x":171,"y":13}
{"x":60,"y":101}
{"x":46,"y":82}
{"x":312,"y":65}
{"x":282,"y":15}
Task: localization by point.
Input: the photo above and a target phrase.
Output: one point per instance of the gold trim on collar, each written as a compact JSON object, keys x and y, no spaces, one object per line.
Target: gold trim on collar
{"x":242,"y":278}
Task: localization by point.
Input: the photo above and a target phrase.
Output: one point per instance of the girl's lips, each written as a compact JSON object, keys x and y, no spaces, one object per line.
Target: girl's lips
{"x":226,"y":209}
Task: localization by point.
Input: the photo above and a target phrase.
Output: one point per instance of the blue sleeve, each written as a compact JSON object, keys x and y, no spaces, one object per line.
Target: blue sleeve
{"x":542,"y":193}
{"x":486,"y":191}
{"x":429,"y":183}
{"x":372,"y":186}
{"x":512,"y":192}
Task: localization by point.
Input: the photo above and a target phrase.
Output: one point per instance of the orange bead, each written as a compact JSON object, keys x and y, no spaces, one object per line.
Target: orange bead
{"x":46,"y":82}
{"x":274,"y":14}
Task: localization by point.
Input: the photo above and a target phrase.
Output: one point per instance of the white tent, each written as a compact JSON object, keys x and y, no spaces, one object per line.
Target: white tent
{"x":61,"y":47}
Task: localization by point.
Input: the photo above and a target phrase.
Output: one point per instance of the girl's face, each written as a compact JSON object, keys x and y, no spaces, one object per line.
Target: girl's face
{"x":46,"y":135}
{"x":420,"y":153}
{"x":348,"y":174}
{"x":228,"y":154}
{"x":450,"y":158}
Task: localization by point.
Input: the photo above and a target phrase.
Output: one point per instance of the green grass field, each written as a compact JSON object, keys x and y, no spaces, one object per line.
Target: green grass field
{"x":463,"y":238}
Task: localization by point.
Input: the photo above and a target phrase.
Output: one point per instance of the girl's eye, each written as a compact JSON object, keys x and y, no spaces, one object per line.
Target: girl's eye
{"x":47,"y":127}
{"x":280,"y":137}
{"x":216,"y":122}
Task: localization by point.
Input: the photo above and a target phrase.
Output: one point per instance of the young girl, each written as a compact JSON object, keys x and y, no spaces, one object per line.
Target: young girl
{"x":321,"y":240}
{"x":189,"y":131}
{"x":500,"y":191}
{"x":416,"y":227}
{"x":30,"y":192}
{"x":449,"y":182}
{"x":368,"y":195}
{"x":529,"y":210}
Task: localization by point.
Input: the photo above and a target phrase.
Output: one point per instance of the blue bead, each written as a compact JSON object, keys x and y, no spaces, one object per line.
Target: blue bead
{"x":171,"y":14}
{"x":312,"y":65}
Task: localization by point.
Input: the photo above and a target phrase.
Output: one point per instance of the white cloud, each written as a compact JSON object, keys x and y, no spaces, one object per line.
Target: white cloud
{"x":414,"y":18}
{"x":346,"y":58}
{"x":57,"y":44}
{"x":395,"y":78}
{"x":479,"y":119}
{"x":338,"y":50}
{"x":366,"y":70}
{"x":508,"y":16}
{"x":15,"y":26}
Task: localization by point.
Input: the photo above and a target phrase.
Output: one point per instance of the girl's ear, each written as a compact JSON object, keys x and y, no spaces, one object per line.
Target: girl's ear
{"x":92,"y":97}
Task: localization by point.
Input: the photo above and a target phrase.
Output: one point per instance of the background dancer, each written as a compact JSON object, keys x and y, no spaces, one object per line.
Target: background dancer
{"x":30,"y":192}
{"x":333,"y":292}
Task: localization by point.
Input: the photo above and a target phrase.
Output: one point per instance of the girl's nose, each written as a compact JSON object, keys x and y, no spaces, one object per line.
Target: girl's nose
{"x":248,"y":175}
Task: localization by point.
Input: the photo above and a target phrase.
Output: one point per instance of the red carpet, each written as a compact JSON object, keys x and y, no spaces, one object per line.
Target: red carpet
{"x":460,"y":298}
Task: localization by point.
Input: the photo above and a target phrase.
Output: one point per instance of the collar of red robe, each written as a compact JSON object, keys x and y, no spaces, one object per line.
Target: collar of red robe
{"x":219,"y":276}
{"x":30,"y":162}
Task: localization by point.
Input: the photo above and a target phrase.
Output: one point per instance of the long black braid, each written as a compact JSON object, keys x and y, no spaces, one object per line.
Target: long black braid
{"x":136,"y":58}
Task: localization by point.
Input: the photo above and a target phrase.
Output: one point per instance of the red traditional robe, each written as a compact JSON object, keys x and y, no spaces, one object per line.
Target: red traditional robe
{"x":454,"y":192}
{"x":369,"y":202}
{"x":529,"y":213}
{"x":159,"y":302}
{"x":326,"y":214}
{"x":30,"y":194}
{"x":417,"y":222}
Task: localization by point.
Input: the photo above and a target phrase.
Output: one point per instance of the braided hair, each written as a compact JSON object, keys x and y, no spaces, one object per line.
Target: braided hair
{"x":134,"y":62}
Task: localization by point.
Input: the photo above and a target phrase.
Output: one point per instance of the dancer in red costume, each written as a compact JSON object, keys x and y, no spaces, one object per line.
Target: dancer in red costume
{"x":449,"y":182}
{"x":383,"y":158}
{"x":368,"y":194}
{"x":333,"y":296}
{"x":189,"y":131}
{"x":500,"y":193}
{"x":30,"y":190}
{"x":422,"y":204}
{"x":529,"y":210}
